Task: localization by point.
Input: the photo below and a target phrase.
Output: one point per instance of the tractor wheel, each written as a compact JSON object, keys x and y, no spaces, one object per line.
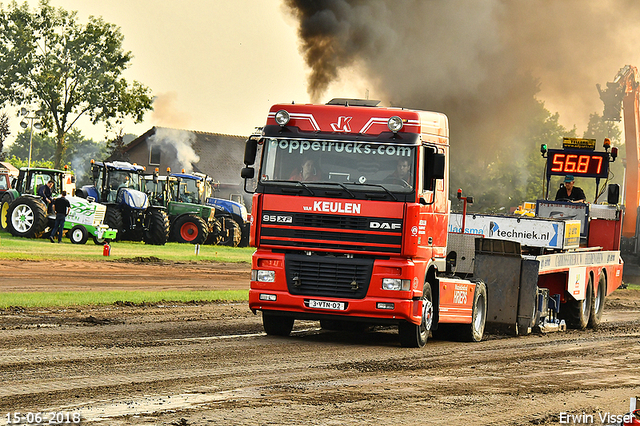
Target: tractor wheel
{"x":215,"y":233}
{"x":577,"y":312}
{"x":6,"y":201}
{"x":416,"y":335}
{"x":156,"y":231}
{"x":26,"y":217}
{"x":113,"y":218}
{"x":190,"y":229}
{"x":231,"y":234}
{"x":78,"y":234}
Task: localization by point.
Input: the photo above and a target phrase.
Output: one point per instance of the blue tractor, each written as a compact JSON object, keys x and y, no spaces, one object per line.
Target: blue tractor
{"x":233,"y":217}
{"x":117,"y":184}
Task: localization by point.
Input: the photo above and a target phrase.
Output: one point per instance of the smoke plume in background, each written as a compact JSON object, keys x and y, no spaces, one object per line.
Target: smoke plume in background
{"x":482,"y":62}
{"x":165,"y":112}
{"x":179,"y":142}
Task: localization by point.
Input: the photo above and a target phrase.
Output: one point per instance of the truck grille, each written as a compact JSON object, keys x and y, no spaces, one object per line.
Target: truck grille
{"x":328,"y":276}
{"x":321,"y":231}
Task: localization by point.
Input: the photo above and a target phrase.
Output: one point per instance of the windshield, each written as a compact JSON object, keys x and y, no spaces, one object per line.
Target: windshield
{"x":190,"y":190}
{"x":123,"y":179}
{"x":392,"y":166}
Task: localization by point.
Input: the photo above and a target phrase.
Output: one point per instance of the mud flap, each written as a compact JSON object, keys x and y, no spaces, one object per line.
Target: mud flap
{"x":511,"y":286}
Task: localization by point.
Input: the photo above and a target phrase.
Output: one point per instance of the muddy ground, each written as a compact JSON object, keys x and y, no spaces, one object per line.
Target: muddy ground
{"x":210,"y":363}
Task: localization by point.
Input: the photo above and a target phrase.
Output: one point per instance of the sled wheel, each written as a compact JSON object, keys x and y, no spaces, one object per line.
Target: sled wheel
{"x":577,"y":312}
{"x":597,"y":307}
{"x":78,"y":234}
{"x":473,"y":332}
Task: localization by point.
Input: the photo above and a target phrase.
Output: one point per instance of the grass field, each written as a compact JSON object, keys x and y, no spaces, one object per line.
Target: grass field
{"x":14,"y":248}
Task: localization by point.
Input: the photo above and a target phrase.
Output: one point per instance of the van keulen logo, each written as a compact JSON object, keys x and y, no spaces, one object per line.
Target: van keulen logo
{"x":342,"y":125}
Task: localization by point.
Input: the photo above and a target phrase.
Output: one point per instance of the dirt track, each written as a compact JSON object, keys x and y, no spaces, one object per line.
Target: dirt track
{"x":210,"y":364}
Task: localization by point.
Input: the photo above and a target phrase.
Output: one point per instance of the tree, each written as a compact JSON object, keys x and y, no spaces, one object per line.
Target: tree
{"x":4,"y":131}
{"x":50,"y":61}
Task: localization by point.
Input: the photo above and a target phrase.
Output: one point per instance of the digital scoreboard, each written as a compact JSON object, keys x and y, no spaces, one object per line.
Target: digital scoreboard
{"x":579,"y":163}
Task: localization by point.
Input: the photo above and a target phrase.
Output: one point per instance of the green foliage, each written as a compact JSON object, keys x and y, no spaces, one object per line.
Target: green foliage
{"x":4,"y":130}
{"x":19,"y":162}
{"x":51,"y":62}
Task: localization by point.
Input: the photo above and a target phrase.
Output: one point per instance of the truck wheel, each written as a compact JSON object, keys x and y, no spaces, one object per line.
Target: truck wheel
{"x":415,"y":335}
{"x":473,"y":332}
{"x":597,"y":307}
{"x":26,"y":217}
{"x":577,"y":312}
{"x":113,"y":218}
{"x":156,"y":231}
{"x":232,"y":233}
{"x":277,"y":325}
{"x":190,"y":229}
{"x":78,"y":234}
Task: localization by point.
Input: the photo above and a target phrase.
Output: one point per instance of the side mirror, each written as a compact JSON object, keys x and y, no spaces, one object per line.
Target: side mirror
{"x":613,"y":193}
{"x":247,"y":173}
{"x":435,"y":166}
{"x":95,"y":172}
{"x":250,"y":150}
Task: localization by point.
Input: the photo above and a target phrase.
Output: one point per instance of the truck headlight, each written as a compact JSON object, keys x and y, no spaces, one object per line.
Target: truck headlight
{"x":396,"y":284}
{"x":282,"y":117}
{"x":263,"y":275}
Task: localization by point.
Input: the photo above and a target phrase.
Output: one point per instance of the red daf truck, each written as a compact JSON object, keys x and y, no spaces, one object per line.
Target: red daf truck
{"x":351,"y":223}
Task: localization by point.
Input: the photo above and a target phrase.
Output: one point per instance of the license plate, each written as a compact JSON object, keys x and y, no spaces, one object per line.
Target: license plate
{"x":325,"y":304}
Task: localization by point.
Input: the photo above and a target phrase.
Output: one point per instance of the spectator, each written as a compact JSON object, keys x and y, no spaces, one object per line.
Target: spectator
{"x":61,"y":208}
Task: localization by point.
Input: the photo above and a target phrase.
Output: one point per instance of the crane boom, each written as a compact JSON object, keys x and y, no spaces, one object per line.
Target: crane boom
{"x":622,"y":96}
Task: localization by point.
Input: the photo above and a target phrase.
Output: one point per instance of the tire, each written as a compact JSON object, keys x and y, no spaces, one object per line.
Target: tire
{"x":215,"y":233}
{"x":156,"y":231}
{"x":473,"y":332}
{"x":78,"y":234}
{"x":577,"y":312}
{"x":277,"y":325}
{"x":100,"y":241}
{"x":26,"y":217}
{"x":5,"y":202}
{"x":113,"y":218}
{"x":190,"y":229}
{"x":597,"y":306}
{"x":416,"y":335}
{"x":232,"y":233}
{"x":331,"y":325}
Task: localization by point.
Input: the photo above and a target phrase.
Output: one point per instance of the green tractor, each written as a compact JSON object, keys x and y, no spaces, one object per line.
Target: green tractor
{"x":190,"y":220}
{"x":24,"y":214}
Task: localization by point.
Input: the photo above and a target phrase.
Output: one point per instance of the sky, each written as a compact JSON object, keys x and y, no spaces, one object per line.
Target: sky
{"x":214,"y":66}
{"x":217,"y":66}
